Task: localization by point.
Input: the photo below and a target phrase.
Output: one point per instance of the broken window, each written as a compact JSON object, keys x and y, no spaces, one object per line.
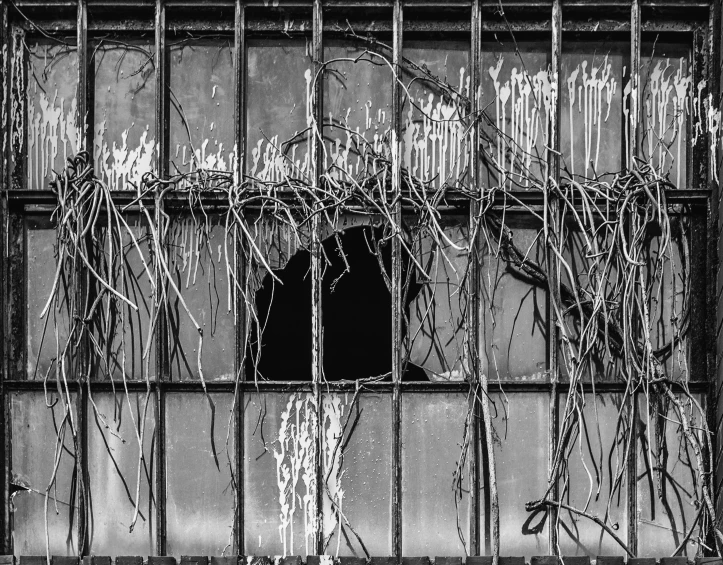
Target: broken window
{"x":381,"y":330}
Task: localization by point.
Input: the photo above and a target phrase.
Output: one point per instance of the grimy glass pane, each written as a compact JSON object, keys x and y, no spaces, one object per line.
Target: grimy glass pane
{"x":279,"y":82}
{"x":666,"y":107}
{"x":519,"y":101}
{"x":123,"y":516}
{"x":121,"y":332}
{"x":52,"y":110}
{"x":521,"y":451}
{"x":435,"y":145}
{"x":592,"y":271}
{"x":200,"y":487}
{"x":202,"y":106}
{"x":595,"y":456}
{"x":48,"y":336}
{"x":668,"y":476}
{"x":279,"y":474}
{"x":437,"y":329}
{"x":435,"y":485}
{"x":592,"y":123}
{"x":668,"y":287}
{"x":513,"y":335}
{"x":357,"y":108}
{"x":125,"y":96}
{"x":357,"y":465}
{"x":42,"y":438}
{"x":200,"y":254}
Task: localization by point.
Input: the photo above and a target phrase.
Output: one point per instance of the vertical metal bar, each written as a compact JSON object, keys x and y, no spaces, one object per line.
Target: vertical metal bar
{"x":83,"y":297}
{"x":473,"y":313}
{"x":4,"y":285}
{"x":162,"y":365}
{"x":82,"y":95}
{"x":552,"y":211}
{"x":17,"y":109}
{"x":161,"y":81}
{"x":239,"y":65}
{"x":633,"y":152}
{"x":396,"y":283}
{"x":634,"y":102}
{"x":713,"y":233}
{"x":316,"y":265}
{"x":701,"y":148}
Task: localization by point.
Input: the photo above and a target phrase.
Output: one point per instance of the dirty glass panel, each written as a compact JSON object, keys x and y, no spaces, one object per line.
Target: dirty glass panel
{"x":667,"y":257}
{"x":202,"y":106}
{"x":357,"y":303}
{"x":43,"y":435}
{"x":513,"y":335}
{"x":48,"y":336}
{"x":594,"y":273}
{"x":200,"y":489}
{"x":121,"y":332}
{"x":668,"y":479}
{"x":520,"y":423}
{"x":518,"y":101}
{"x":666,"y":106}
{"x":279,"y":345}
{"x":125,"y":96}
{"x":279,"y":474}
{"x":279,"y":86}
{"x":357,"y":109}
{"x":435,"y":486}
{"x":357,"y":464}
{"x":200,"y":259}
{"x":117,"y":425}
{"x":52,"y":108}
{"x":435,"y":121}
{"x":595,"y":456}
{"x":437,"y":331}
{"x":593,"y":120}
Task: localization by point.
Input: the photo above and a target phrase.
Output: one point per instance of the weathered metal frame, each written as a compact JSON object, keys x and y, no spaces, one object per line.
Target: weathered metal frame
{"x":704,"y":195}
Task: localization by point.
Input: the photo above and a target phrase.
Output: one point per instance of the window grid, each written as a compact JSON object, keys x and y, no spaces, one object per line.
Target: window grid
{"x":701,"y":68}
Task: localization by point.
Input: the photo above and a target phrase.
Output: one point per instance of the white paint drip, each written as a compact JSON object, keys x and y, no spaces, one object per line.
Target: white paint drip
{"x":51,"y":132}
{"x":666,"y":102}
{"x":295,"y":453}
{"x":594,"y":95}
{"x":524,"y":108}
{"x":436,"y":147}
{"x":122,"y":167}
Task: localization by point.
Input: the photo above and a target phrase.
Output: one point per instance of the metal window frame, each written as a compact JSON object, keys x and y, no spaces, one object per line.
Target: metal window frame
{"x":703,"y":198}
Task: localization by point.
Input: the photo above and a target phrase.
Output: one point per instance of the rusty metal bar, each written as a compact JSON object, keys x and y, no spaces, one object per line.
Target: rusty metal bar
{"x":239,"y":66}
{"x":553,"y":161}
{"x":5,"y":285}
{"x":396,"y":284}
{"x":162,"y":365}
{"x":633,"y":150}
{"x":712,"y":344}
{"x":473,"y":312}
{"x":317,"y":360}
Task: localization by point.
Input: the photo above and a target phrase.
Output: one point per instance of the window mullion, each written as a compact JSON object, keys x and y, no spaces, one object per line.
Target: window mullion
{"x":316,"y":268}
{"x":161,"y":342}
{"x":239,"y":267}
{"x":473,"y":282}
{"x":634,"y":144}
{"x":396,"y":285}
{"x":5,"y":423}
{"x":553,"y":162}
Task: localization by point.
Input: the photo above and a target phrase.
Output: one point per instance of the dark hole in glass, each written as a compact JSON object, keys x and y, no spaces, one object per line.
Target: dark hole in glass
{"x":356,"y":310}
